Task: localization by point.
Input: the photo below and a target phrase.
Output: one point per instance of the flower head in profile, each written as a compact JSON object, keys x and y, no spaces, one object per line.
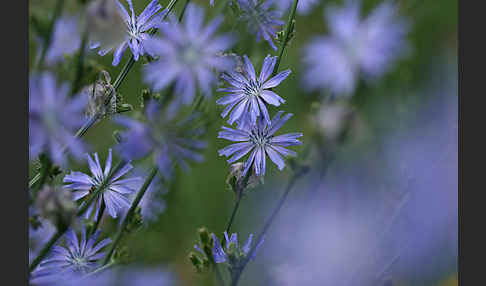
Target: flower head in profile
{"x":355,"y":47}
{"x":54,"y":118}
{"x":137,"y":30}
{"x":303,"y":6}
{"x":66,"y":39}
{"x":116,"y":190}
{"x":261,"y":19}
{"x":260,"y":140}
{"x":189,"y":53}
{"x":77,"y":256}
{"x":249,"y":94}
{"x":232,"y":252}
{"x":169,"y":142}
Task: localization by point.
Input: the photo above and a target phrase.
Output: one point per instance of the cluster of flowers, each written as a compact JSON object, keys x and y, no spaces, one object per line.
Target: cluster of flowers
{"x":186,"y":57}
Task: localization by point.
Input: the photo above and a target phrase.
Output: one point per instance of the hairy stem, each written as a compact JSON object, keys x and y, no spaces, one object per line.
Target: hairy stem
{"x":78,"y":75}
{"x":100,"y":216}
{"x":129,"y":215}
{"x":286,"y":37}
{"x":45,"y":250}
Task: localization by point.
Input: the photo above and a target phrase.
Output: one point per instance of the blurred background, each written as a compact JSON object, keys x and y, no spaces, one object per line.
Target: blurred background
{"x":379,"y":206}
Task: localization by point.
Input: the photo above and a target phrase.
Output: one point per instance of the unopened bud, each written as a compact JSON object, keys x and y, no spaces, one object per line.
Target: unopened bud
{"x":204,"y":235}
{"x":235,"y":178}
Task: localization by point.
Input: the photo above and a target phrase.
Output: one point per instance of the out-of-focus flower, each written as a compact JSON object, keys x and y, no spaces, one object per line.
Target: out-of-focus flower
{"x":66,"y":39}
{"x":77,"y":256}
{"x":366,"y":47}
{"x":235,"y":253}
{"x":115,"y":192}
{"x":260,"y":138}
{"x":53,"y":119}
{"x":261,"y":19}
{"x":105,"y":24}
{"x":249,"y":94}
{"x":303,"y":6}
{"x":137,"y":30}
{"x":189,"y":53}
{"x":39,"y":236}
{"x":168,"y":142}
{"x":56,"y":204}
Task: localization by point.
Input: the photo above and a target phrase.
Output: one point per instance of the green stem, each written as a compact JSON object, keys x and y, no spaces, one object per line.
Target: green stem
{"x":233,"y":214}
{"x":61,"y":230}
{"x":43,"y":174}
{"x":288,"y":29}
{"x":183,"y":10}
{"x":50,"y":28}
{"x":78,"y":75}
{"x":100,"y":216}
{"x":240,"y":188}
{"x":45,"y":250}
{"x":268,"y":223}
{"x":218,"y":274}
{"x":130,"y":213}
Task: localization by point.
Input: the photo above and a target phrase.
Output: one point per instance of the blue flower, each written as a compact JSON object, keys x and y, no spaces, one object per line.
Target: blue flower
{"x":259,"y":139}
{"x":249,"y":94}
{"x":303,"y":6}
{"x":355,"y":47}
{"x":261,"y":20}
{"x":137,"y":30}
{"x":115,"y":194}
{"x":169,"y":142}
{"x":76,"y":256}
{"x":232,"y":248}
{"x":189,"y":53}
{"x":65,"y":39}
{"x":53,"y":119}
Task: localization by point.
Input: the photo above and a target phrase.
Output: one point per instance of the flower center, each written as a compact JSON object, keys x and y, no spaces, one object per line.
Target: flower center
{"x":252,"y":88}
{"x":258,"y":137}
{"x":190,"y":56}
{"x":133,"y":30}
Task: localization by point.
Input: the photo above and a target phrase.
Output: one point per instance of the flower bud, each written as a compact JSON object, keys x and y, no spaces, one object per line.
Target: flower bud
{"x":56,"y":204}
{"x":235,"y":177}
{"x":204,"y":235}
{"x":97,"y":94}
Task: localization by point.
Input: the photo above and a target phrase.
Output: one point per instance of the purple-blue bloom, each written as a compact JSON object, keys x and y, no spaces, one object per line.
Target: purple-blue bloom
{"x":354,"y":47}
{"x":169,"y":142}
{"x":260,"y":138}
{"x":76,"y":256}
{"x":189,"y":54}
{"x":116,"y":191}
{"x":249,"y":94}
{"x":219,"y":253}
{"x":262,"y":21}
{"x":137,"y":30}
{"x":65,"y":39}
{"x":53,"y":119}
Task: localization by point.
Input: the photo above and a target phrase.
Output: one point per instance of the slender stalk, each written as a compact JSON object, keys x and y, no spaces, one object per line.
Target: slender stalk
{"x":100,"y":216}
{"x":268,"y":223}
{"x":50,"y":28}
{"x":233,"y":214}
{"x":43,"y":174}
{"x":183,"y":10}
{"x":130,"y":213}
{"x":78,"y":75}
{"x":288,"y":29}
{"x":45,"y":250}
{"x":61,"y":230}
{"x":101,"y":269}
{"x":240,"y":188}
{"x":218,"y":274}
{"x":121,"y":76}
